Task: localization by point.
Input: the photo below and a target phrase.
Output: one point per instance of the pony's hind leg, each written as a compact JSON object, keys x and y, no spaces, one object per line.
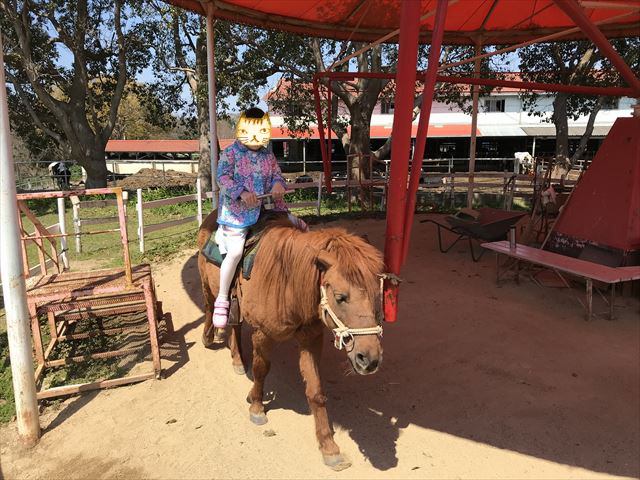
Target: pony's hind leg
{"x":235,"y":345}
{"x":262,"y":346}
{"x":310,"y":350}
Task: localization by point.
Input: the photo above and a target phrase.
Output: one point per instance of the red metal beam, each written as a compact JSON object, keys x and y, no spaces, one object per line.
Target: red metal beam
{"x":544,"y":87}
{"x":406,"y":76}
{"x":538,"y":86}
{"x":575,"y":12}
{"x":423,"y":123}
{"x":326,"y":163}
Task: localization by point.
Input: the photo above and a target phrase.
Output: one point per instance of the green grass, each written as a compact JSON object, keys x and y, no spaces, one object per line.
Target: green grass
{"x":100,"y":251}
{"x":7,"y":407}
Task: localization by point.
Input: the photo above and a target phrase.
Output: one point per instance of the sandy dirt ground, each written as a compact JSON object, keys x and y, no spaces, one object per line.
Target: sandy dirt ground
{"x":478,"y":381}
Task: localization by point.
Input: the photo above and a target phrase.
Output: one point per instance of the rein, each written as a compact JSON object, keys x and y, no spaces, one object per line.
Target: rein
{"x":342,"y":335}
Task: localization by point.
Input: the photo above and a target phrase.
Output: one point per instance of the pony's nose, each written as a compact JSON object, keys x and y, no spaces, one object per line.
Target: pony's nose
{"x":366,"y":363}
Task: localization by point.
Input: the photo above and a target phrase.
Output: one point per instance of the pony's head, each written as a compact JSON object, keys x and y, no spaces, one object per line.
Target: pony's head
{"x":327,"y":272}
{"x":350,"y":303}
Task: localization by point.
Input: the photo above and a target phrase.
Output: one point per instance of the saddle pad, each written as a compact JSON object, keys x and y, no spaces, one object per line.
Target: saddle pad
{"x":212,"y":253}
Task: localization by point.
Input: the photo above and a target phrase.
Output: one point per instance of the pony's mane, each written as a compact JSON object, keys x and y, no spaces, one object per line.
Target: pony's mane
{"x":286,"y":263}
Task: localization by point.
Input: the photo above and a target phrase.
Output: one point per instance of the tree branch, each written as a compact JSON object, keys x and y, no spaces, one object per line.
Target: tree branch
{"x":277,"y":62}
{"x":317,"y":54}
{"x":122,"y":74}
{"x":21,"y":26}
{"x":32,"y":113}
{"x":582,"y":144}
{"x":181,"y":69}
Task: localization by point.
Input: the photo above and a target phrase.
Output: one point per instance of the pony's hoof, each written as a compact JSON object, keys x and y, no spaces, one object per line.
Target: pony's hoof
{"x":336,"y":462}
{"x":258,"y":418}
{"x":239,"y":370}
{"x":219,"y":336}
{"x":207,"y":342}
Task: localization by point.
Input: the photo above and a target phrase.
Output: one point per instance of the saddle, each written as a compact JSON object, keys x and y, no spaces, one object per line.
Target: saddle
{"x":211,"y":252}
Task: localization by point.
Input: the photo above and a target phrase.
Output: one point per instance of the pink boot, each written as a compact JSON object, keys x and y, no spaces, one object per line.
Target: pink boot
{"x":220,"y":313}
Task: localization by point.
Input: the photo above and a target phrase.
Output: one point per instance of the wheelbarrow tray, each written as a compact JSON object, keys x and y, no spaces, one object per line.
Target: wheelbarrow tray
{"x":486,"y":225}
{"x":492,"y":224}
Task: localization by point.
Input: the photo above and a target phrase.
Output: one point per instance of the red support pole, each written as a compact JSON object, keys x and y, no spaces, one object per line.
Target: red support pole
{"x":329,"y":149}
{"x":575,"y":12}
{"x":326,"y":163}
{"x":423,"y":124}
{"x":406,"y":77}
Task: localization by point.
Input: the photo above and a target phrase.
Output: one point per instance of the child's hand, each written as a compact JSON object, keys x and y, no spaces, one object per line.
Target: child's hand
{"x":250,"y":199}
{"x":278,"y":191}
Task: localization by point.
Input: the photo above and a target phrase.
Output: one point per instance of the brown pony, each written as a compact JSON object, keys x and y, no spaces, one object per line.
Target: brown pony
{"x":282,"y":301}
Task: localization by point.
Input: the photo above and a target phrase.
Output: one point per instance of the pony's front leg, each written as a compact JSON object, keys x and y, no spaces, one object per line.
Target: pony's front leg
{"x":310,"y":351}
{"x":262,"y":346}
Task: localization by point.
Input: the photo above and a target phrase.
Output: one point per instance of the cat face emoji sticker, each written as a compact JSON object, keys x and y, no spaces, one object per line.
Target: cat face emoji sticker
{"x":254,"y":128}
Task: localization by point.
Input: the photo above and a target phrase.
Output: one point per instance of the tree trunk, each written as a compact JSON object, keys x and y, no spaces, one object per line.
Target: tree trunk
{"x":204,"y":164}
{"x":96,"y":167}
{"x":360,"y":145}
{"x":582,"y":145}
{"x":562,"y":164}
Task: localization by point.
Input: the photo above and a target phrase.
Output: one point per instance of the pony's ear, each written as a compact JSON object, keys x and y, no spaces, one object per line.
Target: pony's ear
{"x":325,"y":260}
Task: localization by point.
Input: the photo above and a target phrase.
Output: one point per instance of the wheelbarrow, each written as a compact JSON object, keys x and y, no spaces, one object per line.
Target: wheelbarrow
{"x":482,"y":225}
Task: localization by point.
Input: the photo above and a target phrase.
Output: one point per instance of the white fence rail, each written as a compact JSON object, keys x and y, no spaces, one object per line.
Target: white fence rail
{"x":56,"y":228}
{"x":198,"y":197}
{"x":78,"y":221}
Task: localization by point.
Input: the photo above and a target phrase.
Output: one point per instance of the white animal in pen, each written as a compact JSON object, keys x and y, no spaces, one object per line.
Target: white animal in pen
{"x":524,"y":162}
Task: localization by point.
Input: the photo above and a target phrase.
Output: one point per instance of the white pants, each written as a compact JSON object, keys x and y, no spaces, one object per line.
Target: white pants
{"x":230,"y":241}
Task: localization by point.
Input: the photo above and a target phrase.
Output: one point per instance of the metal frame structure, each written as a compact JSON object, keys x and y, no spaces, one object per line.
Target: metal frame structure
{"x":68,"y":297}
{"x":401,"y":199}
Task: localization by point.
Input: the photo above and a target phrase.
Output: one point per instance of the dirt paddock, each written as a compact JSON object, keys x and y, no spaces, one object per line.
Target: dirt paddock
{"x":477,"y":382}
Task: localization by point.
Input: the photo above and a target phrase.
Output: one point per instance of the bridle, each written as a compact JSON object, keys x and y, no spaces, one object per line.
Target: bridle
{"x":342,"y":335}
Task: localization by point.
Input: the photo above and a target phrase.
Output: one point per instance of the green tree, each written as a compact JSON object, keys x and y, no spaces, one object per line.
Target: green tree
{"x":353,"y":102}
{"x":68,"y":64}
{"x":143,"y":115}
{"x":573,"y":63}
{"x":180,"y":45}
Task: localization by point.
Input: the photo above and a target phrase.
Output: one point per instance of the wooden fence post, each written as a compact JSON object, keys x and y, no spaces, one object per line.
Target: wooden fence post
{"x":77,"y":224}
{"x":62,"y":226}
{"x":319,"y":192}
{"x":140,"y":221}
{"x":453,"y":190}
{"x":125,"y":200}
{"x":199,"y":193}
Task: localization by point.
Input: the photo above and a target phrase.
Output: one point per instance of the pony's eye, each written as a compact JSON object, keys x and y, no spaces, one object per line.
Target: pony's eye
{"x":264,"y":130}
{"x":341,"y":297}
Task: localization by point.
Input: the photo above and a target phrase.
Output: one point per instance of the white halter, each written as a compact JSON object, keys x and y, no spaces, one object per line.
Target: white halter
{"x":342,"y":335}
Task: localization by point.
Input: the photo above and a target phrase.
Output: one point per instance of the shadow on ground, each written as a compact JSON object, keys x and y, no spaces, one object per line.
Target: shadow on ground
{"x":515,"y":368}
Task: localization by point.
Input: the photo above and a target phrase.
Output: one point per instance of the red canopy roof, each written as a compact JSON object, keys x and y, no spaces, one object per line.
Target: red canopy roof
{"x":496,"y":21}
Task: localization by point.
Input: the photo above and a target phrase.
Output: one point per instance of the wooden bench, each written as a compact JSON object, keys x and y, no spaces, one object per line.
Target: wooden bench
{"x":561,"y":263}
